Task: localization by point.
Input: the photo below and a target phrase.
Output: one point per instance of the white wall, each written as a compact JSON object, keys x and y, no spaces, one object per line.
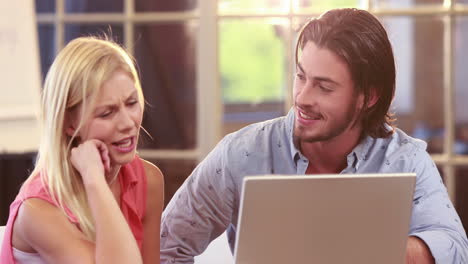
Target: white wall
{"x":19,"y":77}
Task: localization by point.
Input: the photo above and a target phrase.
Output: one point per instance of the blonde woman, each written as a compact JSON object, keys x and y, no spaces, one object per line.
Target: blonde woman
{"x":90,"y":198}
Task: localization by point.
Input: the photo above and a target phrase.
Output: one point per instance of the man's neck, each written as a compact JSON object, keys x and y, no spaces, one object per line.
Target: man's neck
{"x":330,"y":156}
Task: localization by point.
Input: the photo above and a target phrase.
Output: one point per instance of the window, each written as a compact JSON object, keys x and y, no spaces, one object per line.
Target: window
{"x":211,"y":67}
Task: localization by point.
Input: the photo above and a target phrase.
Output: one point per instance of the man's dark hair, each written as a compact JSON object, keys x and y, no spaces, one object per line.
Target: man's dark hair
{"x":361,"y":41}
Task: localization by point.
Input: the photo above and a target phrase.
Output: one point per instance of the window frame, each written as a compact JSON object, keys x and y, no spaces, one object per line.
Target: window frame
{"x":210,"y":107}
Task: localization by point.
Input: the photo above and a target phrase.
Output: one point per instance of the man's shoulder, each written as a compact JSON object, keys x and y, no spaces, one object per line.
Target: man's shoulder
{"x":399,"y":152}
{"x":400,"y":146}
{"x":399,"y":139}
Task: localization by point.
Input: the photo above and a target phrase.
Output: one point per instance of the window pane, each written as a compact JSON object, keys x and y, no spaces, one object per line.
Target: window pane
{"x":166,"y":56}
{"x":461,"y":85}
{"x":405,"y":3}
{"x":253,"y":69}
{"x":73,"y":31}
{"x":461,"y":199}
{"x":165,"y":6}
{"x":323,"y":5}
{"x":249,"y":6}
{"x":84,"y":6}
{"x":418,"y":103}
{"x":46,"y":47}
{"x":45,"y":6}
{"x":461,"y":192}
{"x":175,"y":172}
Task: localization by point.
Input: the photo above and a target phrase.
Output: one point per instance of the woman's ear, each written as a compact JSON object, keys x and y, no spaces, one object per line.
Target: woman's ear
{"x":70,"y":123}
{"x":70,"y":130}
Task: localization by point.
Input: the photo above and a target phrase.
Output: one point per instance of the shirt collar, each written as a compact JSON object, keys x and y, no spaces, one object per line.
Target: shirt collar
{"x":360,"y":152}
{"x":128,"y":177}
{"x":290,"y":117}
{"x":128,"y":183}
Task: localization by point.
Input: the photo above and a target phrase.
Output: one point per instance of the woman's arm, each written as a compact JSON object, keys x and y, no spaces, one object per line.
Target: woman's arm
{"x":41,"y":227}
{"x":154,"y":207}
{"x":115,"y":242}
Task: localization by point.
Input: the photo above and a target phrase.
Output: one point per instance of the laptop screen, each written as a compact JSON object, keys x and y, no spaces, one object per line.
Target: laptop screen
{"x":345,"y":218}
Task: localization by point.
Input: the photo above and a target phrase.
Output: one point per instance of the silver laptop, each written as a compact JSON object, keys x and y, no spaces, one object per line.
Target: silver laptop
{"x":325,"y":219}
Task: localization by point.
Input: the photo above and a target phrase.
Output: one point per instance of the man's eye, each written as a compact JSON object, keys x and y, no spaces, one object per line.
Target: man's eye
{"x":325,"y":89}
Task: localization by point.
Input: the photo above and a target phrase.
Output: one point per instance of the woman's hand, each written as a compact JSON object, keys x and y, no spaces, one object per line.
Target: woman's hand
{"x":91,"y":158}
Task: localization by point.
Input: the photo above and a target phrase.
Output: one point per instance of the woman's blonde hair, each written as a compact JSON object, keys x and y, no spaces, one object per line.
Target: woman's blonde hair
{"x":73,"y":80}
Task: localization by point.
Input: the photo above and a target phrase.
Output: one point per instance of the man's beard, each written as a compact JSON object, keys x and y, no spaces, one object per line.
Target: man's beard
{"x":340,"y":126}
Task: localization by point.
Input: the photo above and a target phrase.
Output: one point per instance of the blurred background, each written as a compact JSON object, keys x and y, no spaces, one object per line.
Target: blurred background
{"x":210,"y":67}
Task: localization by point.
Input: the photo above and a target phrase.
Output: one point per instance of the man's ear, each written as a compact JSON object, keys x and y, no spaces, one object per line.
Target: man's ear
{"x":373,"y":98}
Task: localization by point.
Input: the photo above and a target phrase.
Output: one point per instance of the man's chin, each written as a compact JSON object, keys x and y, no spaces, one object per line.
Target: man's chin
{"x":310,"y":137}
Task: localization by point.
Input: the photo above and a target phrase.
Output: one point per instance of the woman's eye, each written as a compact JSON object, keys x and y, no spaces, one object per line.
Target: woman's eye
{"x":300,"y":76}
{"x":105,"y":114}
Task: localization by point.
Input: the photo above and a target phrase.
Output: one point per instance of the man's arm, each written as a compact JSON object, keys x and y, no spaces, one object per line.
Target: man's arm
{"x":434,"y":219}
{"x":417,"y":252}
{"x":199,"y":211}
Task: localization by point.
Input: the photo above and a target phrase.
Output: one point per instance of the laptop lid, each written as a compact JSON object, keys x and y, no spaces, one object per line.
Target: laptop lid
{"x":326,"y":219}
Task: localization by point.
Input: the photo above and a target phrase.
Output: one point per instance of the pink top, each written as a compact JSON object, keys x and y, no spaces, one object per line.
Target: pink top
{"x":133,"y":182}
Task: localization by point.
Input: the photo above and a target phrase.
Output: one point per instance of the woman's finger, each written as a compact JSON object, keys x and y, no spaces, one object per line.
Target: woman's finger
{"x":104,"y":152}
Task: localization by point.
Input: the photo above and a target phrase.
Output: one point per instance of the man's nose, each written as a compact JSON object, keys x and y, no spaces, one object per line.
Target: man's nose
{"x":307,"y":96}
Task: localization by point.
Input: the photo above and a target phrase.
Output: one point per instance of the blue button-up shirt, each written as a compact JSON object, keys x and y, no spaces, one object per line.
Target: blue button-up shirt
{"x":208,"y":202}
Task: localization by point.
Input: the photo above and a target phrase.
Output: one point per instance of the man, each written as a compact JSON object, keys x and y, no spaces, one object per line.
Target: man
{"x":340,"y":123}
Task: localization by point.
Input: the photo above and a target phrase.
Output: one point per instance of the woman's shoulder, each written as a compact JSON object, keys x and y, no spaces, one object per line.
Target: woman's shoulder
{"x":154,"y":189}
{"x":37,"y":222}
{"x":36,"y":205}
{"x":35,"y":187}
{"x":155,"y":178}
{"x":36,"y":212}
